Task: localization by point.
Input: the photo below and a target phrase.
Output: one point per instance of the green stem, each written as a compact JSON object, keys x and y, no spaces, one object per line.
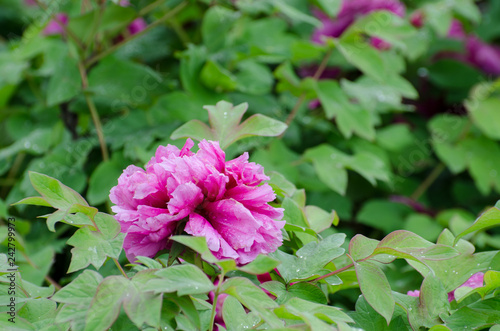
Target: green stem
{"x":302,"y":97}
{"x":341,"y":269}
{"x":152,"y":6}
{"x":153,"y":25}
{"x":428,"y":181}
{"x":93,"y":113}
{"x":334,"y":272}
{"x":183,"y":36}
{"x":118,"y":265}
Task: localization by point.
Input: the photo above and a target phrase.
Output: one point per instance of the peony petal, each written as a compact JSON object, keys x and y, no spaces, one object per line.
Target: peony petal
{"x":211,"y":153}
{"x":136,"y":244}
{"x":198,"y":226}
{"x":185,"y":198}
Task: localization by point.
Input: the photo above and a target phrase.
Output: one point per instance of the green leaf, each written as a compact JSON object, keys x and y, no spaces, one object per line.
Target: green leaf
{"x":65,"y":82}
{"x":350,"y":117}
{"x":408,"y":245}
{"x":488,"y":219}
{"x":361,"y":247}
{"x":217,"y":22}
{"x":104,"y":177}
{"x":54,"y":192}
{"x":142,"y":306}
{"x":225,"y":125}
{"x":468,"y":9}
{"x":384,"y":215}
{"x":217,"y":78}
{"x":434,"y":300}
{"x":439,"y":328}
{"x":80,"y":290}
{"x":307,"y":291}
{"x":389,"y":27}
{"x":93,"y":247}
{"x":198,"y":244}
{"x":367,"y":318}
{"x":485,"y":115}
{"x":482,"y":155}
{"x":34,"y":201}
{"x":149,"y":262}
{"x":235,"y":317}
{"x":309,"y":259}
{"x":424,"y":226}
{"x":116,"y":17}
{"x":326,"y":313}
{"x":491,"y":282}
{"x":478,"y":315}
{"x":293,"y":213}
{"x":364,"y":57}
{"x":183,"y":279}
{"x":329,"y":165}
{"x":452,"y":74}
{"x":295,"y":14}
{"x":254,"y":78}
{"x":260,"y":265}
{"x":259,"y":125}
{"x":194,"y":129}
{"x":331,"y":7}
{"x":185,"y":303}
{"x":375,"y":288}
{"x":319,"y":219}
{"x":106,"y":303}
{"x":253,"y":298}
{"x":123,"y":83}
{"x":41,"y":312}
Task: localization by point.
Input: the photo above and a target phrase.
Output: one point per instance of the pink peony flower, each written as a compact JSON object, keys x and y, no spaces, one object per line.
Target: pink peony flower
{"x":415,"y":293}
{"x":349,"y":12}
{"x":226,"y":202}
{"x":137,"y":26}
{"x":479,"y":54}
{"x":474,"y":281}
{"x":54,"y":27}
{"x":219,"y":319}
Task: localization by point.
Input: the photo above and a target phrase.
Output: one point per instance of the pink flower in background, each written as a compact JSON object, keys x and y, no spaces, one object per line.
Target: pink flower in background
{"x":137,"y":26}
{"x":349,"y":12}
{"x":415,"y":293}
{"x":224,"y":201}
{"x":54,"y":27}
{"x":474,"y":281}
{"x":30,"y":2}
{"x":477,"y":53}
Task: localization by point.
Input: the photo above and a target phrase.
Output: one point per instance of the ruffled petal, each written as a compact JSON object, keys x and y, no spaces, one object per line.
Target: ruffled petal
{"x":198,"y":226}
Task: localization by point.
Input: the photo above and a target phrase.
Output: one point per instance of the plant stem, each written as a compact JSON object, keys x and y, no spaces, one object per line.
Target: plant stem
{"x":118,"y":265}
{"x":334,"y":272}
{"x":153,"y":25}
{"x":428,"y":181}
{"x":152,"y":6}
{"x":93,"y":112}
{"x":302,"y":97}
